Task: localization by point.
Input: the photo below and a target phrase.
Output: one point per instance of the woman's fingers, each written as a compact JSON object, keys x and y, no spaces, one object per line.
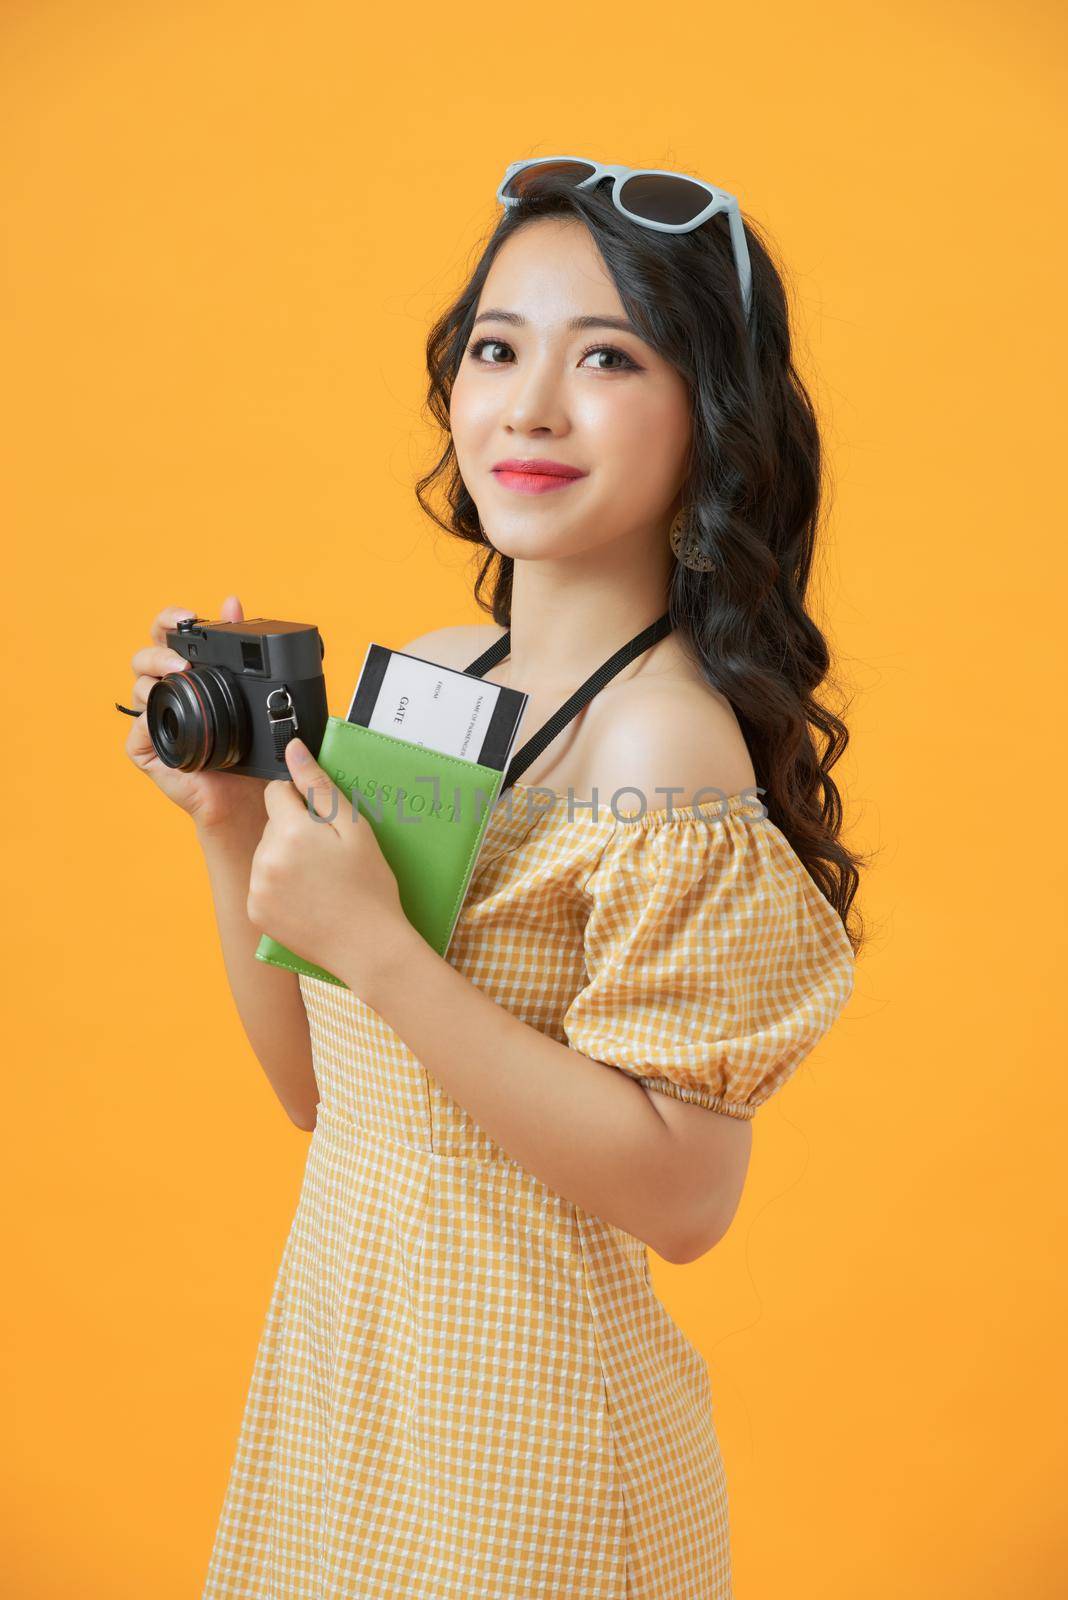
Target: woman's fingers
{"x":139,"y":693}
{"x":231,"y":609}
{"x":156,"y":660}
{"x":139,"y":746}
{"x":169,"y":617}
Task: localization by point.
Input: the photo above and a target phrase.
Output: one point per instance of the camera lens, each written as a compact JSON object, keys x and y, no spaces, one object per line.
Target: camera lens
{"x":198,"y":719}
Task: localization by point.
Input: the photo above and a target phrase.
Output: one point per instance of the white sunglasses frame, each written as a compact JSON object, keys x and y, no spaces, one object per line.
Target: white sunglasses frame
{"x":719,"y":200}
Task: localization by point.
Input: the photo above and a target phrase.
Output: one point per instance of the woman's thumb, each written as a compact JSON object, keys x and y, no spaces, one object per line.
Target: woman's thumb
{"x":231,"y":609}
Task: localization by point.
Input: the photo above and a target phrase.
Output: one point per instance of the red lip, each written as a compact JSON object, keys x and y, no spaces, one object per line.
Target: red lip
{"x":538,"y":468}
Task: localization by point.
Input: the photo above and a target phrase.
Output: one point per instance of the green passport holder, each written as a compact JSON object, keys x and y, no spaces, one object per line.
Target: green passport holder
{"x":429,"y":813}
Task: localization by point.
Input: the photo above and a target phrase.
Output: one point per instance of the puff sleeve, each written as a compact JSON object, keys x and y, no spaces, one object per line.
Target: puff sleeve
{"x":714,"y":961}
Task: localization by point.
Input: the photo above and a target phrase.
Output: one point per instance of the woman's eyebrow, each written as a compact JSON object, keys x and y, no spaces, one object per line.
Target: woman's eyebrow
{"x":575,"y":323}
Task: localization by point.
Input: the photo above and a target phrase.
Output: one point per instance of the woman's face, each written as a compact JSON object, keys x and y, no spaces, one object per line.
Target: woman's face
{"x":531,"y":387}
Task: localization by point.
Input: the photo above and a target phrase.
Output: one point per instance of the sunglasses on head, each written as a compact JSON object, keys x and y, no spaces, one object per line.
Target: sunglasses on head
{"x":670,"y":202}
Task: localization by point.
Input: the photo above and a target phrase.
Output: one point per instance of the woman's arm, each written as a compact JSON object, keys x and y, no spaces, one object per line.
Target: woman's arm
{"x":586,"y":1129}
{"x":267,"y":997}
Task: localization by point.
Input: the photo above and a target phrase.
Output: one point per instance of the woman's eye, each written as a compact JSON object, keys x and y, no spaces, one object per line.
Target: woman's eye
{"x":475,"y":352}
{"x":610,"y":350}
{"x":479,"y":345}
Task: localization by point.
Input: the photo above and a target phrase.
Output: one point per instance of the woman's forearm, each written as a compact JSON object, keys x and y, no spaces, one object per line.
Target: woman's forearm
{"x":587,"y":1130}
{"x":268,"y":998}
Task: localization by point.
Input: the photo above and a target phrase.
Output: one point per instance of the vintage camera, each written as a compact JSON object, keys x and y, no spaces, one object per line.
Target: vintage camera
{"x":252,"y":687}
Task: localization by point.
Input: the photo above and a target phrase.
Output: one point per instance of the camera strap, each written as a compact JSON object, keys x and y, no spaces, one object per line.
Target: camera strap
{"x":283,"y":719}
{"x":500,"y":649}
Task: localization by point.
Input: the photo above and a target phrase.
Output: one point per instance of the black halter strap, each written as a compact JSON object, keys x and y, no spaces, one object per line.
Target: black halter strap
{"x":534,"y":746}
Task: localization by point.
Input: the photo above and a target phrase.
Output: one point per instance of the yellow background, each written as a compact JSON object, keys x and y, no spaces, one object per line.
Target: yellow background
{"x":227,"y":229}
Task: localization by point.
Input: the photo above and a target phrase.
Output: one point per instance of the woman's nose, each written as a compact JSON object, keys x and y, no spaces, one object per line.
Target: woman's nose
{"x":533,"y":399}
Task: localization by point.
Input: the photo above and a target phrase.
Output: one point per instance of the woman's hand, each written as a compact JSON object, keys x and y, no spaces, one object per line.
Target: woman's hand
{"x":211,"y":797}
{"x":319,"y":883}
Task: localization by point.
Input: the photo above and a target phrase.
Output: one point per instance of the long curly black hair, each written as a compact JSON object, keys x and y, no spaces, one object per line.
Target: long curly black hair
{"x":753,"y":498}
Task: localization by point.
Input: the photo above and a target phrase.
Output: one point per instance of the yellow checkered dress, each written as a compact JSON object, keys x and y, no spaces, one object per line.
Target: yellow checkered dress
{"x":467,"y":1388}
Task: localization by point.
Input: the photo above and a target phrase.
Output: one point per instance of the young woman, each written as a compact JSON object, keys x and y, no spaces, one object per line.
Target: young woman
{"x":466,"y":1385}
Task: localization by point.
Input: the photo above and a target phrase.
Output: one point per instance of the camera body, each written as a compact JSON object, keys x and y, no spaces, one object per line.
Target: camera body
{"x":251,"y":687}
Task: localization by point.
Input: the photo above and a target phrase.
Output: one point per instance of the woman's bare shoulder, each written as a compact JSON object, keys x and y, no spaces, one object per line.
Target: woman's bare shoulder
{"x":667,"y":733}
{"x":457,"y":646}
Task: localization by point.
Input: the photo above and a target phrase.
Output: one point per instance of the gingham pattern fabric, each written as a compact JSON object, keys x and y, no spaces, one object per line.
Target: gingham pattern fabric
{"x":467,"y":1387}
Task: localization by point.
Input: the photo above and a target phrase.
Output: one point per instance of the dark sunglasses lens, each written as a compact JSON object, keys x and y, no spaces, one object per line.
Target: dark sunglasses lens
{"x":660,"y":198}
{"x":527,"y":179}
